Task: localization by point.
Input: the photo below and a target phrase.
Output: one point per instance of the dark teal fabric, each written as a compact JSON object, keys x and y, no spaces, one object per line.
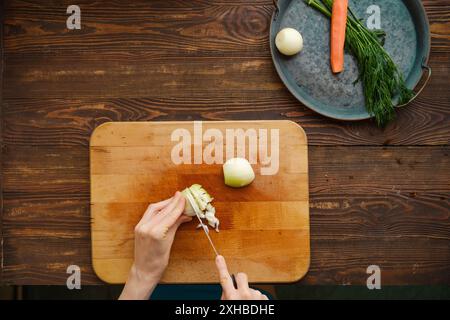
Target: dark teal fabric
{"x":189,"y":292}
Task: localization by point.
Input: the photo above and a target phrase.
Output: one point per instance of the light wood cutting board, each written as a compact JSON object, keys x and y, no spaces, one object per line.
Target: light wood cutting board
{"x":264,"y":227}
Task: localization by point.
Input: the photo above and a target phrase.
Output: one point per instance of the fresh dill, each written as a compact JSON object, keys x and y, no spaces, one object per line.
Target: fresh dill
{"x":381,"y":79}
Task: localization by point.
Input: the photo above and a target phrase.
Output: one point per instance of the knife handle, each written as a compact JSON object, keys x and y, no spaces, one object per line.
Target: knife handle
{"x":233,"y":278}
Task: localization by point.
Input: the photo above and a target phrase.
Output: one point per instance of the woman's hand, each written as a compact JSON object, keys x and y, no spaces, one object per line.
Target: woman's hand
{"x":154,"y":236}
{"x":243,"y":291}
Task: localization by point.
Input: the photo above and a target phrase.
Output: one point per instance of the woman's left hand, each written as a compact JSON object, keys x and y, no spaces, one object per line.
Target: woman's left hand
{"x":154,"y":236}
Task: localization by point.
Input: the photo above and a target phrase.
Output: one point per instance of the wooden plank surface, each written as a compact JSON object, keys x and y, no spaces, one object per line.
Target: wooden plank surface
{"x":383,"y":213}
{"x":215,"y":65}
{"x":1,"y":138}
{"x":378,"y":196}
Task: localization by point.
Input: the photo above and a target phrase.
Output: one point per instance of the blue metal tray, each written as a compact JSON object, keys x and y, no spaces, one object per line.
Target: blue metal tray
{"x":308,"y":76}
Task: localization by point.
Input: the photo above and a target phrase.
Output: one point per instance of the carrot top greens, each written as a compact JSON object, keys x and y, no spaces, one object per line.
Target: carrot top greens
{"x":381,"y":79}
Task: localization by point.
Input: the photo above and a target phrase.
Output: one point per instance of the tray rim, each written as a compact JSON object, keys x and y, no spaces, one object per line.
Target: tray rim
{"x":301,"y":98}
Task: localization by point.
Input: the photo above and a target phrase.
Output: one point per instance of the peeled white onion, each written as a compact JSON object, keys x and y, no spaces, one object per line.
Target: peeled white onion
{"x":198,"y":202}
{"x":238,"y":172}
{"x":289,"y":41}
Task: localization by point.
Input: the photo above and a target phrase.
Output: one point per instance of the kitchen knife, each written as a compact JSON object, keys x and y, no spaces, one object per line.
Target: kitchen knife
{"x":206,"y":230}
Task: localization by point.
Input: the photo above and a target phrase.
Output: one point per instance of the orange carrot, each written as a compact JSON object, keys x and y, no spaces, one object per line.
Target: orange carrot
{"x":338,"y":24}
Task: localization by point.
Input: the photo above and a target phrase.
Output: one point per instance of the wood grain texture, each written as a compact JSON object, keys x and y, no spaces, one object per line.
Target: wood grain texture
{"x":370,"y":202}
{"x":171,"y":60}
{"x":393,"y":212}
{"x":264,"y":227}
{"x":161,"y":28}
{"x":1,"y":140}
{"x":67,"y":122}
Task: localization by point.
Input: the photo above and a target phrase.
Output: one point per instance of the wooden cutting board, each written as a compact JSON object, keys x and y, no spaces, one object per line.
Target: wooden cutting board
{"x":264,"y":227}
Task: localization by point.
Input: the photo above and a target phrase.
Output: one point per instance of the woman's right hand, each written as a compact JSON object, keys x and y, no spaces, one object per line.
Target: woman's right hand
{"x":243,"y":291}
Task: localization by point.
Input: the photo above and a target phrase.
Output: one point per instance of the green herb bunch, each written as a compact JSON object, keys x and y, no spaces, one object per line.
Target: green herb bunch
{"x":381,"y":79}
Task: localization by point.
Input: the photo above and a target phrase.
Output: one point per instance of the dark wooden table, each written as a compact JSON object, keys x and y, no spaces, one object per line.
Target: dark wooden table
{"x":378,"y":196}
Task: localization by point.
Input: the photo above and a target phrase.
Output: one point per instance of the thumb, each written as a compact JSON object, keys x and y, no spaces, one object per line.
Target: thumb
{"x":181,"y":219}
{"x":173,"y":229}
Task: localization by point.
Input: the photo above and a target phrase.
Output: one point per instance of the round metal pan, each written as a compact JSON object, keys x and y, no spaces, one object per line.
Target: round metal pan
{"x":308,"y":76}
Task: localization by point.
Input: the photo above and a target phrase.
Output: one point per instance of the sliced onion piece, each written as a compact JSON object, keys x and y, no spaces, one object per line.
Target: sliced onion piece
{"x":198,"y":201}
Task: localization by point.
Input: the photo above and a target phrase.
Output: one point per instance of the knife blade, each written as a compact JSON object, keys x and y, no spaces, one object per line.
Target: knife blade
{"x":206,"y":230}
